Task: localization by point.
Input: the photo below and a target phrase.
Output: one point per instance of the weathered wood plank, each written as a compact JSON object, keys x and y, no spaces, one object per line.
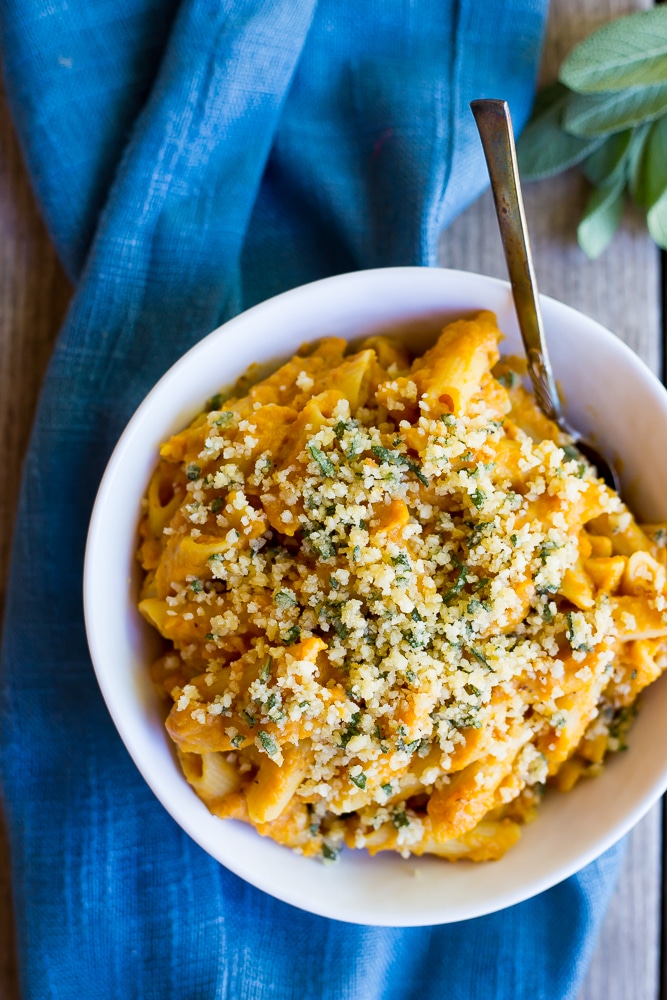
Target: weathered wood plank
{"x":626,"y":961}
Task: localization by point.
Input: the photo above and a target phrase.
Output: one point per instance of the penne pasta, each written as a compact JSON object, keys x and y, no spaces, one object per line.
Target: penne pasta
{"x":396,"y":601}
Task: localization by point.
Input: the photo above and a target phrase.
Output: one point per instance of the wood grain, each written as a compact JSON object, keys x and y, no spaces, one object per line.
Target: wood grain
{"x":621,"y":290}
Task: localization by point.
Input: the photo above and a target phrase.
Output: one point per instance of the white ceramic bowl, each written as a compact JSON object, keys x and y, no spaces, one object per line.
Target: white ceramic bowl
{"x":610,"y":395}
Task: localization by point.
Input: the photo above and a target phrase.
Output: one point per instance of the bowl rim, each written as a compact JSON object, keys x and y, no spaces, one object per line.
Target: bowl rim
{"x":126,"y":731}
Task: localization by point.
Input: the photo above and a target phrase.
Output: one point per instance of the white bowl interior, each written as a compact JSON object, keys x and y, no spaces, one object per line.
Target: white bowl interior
{"x":609,"y":395}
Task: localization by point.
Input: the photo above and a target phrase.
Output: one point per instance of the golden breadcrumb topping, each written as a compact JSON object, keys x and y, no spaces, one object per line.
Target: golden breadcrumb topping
{"x":397,"y":600}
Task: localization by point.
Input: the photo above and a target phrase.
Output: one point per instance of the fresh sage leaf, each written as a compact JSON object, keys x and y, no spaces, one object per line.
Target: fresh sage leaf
{"x":601,"y":218}
{"x":593,"y":115}
{"x":608,"y":111}
{"x":654,"y":182}
{"x":656,"y":219}
{"x":608,"y":162}
{"x":547,"y":97}
{"x":604,"y":115}
{"x":628,"y":52}
{"x":636,"y":164}
{"x":654,"y":167}
{"x":544,"y":148}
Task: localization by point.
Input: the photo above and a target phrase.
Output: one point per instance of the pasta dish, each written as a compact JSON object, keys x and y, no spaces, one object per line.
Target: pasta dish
{"x":396,"y":601}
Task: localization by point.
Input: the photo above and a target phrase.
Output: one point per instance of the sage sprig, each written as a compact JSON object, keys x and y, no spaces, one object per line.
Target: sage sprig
{"x":608,"y":113}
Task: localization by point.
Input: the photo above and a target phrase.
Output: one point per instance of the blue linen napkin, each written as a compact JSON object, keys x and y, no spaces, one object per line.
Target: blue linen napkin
{"x":192,"y":158}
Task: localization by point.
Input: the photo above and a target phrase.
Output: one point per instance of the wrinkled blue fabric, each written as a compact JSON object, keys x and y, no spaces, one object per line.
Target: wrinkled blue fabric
{"x":192,"y":158}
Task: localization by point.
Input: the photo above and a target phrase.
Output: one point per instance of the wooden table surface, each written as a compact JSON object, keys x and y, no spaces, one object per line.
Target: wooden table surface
{"x":625,"y":290}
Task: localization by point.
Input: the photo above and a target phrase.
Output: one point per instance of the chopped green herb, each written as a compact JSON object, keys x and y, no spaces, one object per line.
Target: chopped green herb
{"x":285,"y":599}
{"x":478,"y":497}
{"x":333,"y":583}
{"x":570,"y":635}
{"x":514,"y":539}
{"x":265,"y":672}
{"x":396,"y":458}
{"x":329,"y":853}
{"x":356,"y":553}
{"x":459,"y":583}
{"x":193,"y":471}
{"x":416,"y":642}
{"x":359,"y":780}
{"x":327,"y":468}
{"x":477,"y":531}
{"x":250,"y":719}
{"x":401,"y":560}
{"x":352,"y":730}
{"x":508,"y":379}
{"x":197,"y":586}
{"x":216,"y":504}
{"x":468,"y":721}
{"x":324,"y":546}
{"x":268,"y":744}
{"x":292,"y":635}
{"x":480,"y":658}
{"x":571,"y":453}
{"x":215,"y":402}
{"x":620,"y":724}
{"x":387,"y":789}
{"x":341,"y":630}
{"x":332,"y":614}
{"x":546,"y":549}
{"x":408,"y":747}
{"x":356,"y":446}
{"x":238,"y":740}
{"x":414,"y":468}
{"x":225,"y":418}
{"x":385,"y":455}
{"x":400,"y":819}
{"x":210,"y":636}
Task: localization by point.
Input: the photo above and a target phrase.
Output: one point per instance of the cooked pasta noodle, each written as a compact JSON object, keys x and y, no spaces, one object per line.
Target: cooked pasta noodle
{"x":396,"y":600}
